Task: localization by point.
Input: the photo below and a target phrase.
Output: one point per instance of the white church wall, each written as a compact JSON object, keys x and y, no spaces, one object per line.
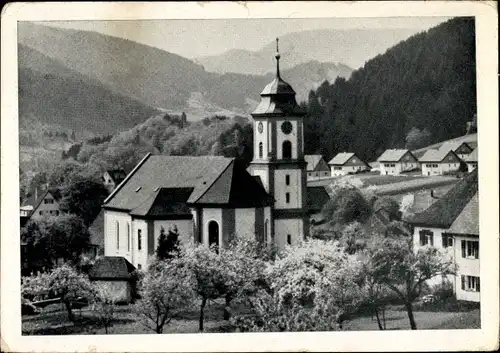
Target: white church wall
{"x":292,"y":137}
{"x":211,"y":214}
{"x":115,"y":225}
{"x":286,"y":229}
{"x":184,"y":227}
{"x":245,"y":222}
{"x":294,"y":189}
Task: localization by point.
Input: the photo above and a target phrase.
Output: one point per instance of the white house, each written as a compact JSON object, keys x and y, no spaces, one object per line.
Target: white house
{"x":347,"y":163}
{"x":451,"y":225}
{"x":462,"y":149}
{"x":471,"y":160}
{"x":112,"y":178}
{"x":439,"y":162}
{"x":316,"y":166}
{"x":396,"y":161}
{"x":44,"y":204}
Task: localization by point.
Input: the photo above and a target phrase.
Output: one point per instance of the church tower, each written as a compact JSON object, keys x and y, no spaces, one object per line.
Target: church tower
{"x":279,"y":159}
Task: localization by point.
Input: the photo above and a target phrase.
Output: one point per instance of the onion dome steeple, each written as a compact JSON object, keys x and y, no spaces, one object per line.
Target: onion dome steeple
{"x":278,"y":97}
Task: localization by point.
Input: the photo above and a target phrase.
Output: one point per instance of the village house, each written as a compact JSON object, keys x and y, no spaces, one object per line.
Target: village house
{"x":461,"y":148}
{"x":439,"y":162}
{"x":347,"y":163}
{"x":112,"y":178}
{"x":451,"y":225}
{"x":211,"y":199}
{"x":316,"y":167}
{"x":115,"y":276}
{"x":395,"y":162}
{"x":41,"y":204}
{"x":471,"y":160}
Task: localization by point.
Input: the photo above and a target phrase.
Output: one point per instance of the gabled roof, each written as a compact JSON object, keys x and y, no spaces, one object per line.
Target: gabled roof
{"x":165,"y":202}
{"x":393,"y":155}
{"x":467,"y":222}
{"x":444,"y":211}
{"x":312,"y":161}
{"x":436,"y":155}
{"x":117,"y":175}
{"x":234,"y":187}
{"x":341,"y":158}
{"x":155,"y":172}
{"x":472,"y":157}
{"x":165,"y":185}
{"x":111,"y":268}
{"x":35,"y":202}
{"x":453,"y":145}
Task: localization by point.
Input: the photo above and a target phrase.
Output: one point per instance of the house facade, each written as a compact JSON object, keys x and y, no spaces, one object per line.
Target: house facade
{"x":471,"y":160}
{"x":112,"y":178}
{"x":397,"y":161}
{"x":44,"y":204}
{"x":347,"y":163}
{"x":461,"y":149}
{"x":451,"y":224}
{"x":439,"y":162}
{"x":316,"y":167}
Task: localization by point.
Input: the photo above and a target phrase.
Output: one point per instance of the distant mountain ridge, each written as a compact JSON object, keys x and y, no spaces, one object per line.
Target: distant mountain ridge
{"x":157,"y":79}
{"x":349,"y":48}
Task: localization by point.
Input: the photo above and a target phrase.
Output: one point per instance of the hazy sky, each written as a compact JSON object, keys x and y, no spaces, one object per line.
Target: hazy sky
{"x":194,"y":38}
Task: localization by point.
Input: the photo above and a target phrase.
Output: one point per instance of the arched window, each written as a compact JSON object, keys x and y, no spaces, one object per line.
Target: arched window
{"x":128,"y":236}
{"x":261,"y":150}
{"x":213,"y":234}
{"x":287,"y":149}
{"x":117,"y":235}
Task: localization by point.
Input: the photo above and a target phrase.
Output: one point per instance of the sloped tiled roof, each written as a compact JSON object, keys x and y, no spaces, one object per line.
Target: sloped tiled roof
{"x":452,"y":145}
{"x":467,"y":221}
{"x":166,"y":172}
{"x":444,"y":211}
{"x":234,"y":187}
{"x":435,"y":155}
{"x":112,"y":268}
{"x":392,"y":155}
{"x":312,"y":161}
{"x":341,"y":158}
{"x":35,"y":202}
{"x":165,"y":202}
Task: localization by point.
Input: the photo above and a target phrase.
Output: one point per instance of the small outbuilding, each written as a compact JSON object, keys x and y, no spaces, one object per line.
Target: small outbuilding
{"x":116,"y":276}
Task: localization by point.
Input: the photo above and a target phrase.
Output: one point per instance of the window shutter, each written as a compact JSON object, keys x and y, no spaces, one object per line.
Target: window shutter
{"x":422,"y":238}
{"x":443,"y":240}
{"x":463,"y":282}
{"x":477,"y":285}
{"x":431,"y":236}
{"x":476,"y":254}
{"x":464,"y":255}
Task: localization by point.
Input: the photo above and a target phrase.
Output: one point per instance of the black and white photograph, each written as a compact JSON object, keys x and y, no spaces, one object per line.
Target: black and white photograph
{"x":280,"y":174}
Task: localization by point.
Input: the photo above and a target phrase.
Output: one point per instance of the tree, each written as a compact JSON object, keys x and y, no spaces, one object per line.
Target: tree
{"x":405,"y":271}
{"x":104,"y":306}
{"x":416,"y":138}
{"x":50,"y":239}
{"x":311,"y":286}
{"x":64,"y":282}
{"x":168,"y":245}
{"x":165,"y":291}
{"x":84,"y":199}
{"x":389,"y":206}
{"x":208,"y":272}
{"x":346,"y":205}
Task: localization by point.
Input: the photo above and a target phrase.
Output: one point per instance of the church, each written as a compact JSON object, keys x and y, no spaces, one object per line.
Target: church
{"x":211,"y":199}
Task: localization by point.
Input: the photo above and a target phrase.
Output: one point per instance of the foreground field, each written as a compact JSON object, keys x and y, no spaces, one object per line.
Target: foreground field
{"x":53,"y":321}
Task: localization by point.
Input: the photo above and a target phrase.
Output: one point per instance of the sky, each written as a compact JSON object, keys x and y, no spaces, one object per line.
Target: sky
{"x":195,"y":38}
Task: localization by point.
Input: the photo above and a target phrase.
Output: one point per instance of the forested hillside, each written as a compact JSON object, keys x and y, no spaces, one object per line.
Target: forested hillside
{"x":427,"y":82}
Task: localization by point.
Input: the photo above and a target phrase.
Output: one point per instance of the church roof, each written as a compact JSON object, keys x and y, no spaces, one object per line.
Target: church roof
{"x":278,"y":97}
{"x":164,"y":185}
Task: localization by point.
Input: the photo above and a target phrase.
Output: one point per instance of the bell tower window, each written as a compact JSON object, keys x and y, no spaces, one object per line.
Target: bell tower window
{"x":261,"y":150}
{"x":287,"y":149}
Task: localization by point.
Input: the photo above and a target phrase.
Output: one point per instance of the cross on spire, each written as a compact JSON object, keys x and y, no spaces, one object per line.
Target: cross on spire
{"x":278,"y":56}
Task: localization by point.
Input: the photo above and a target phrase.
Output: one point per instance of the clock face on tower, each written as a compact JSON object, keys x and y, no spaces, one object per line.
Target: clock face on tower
{"x":260,"y":127}
{"x":286,"y":127}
